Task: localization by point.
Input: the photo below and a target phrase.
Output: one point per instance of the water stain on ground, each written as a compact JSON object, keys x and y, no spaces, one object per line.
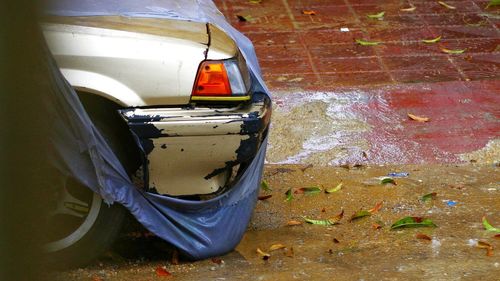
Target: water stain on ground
{"x":350,"y":250}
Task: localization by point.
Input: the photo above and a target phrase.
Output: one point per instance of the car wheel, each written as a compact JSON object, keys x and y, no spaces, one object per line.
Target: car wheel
{"x":81,"y":225}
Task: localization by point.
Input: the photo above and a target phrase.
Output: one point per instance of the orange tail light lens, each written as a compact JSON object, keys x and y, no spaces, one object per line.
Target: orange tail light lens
{"x":212,"y":80}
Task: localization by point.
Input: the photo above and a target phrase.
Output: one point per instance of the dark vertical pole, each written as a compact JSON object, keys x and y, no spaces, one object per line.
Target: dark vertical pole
{"x":23,"y":141}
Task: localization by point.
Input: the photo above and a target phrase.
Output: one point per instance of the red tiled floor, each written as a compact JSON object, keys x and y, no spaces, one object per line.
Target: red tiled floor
{"x":459,"y":92}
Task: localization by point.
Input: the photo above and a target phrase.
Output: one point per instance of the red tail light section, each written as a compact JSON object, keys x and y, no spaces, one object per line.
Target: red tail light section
{"x":212,"y":80}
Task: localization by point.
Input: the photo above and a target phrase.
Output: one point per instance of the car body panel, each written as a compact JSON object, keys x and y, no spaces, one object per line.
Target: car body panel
{"x":148,"y":66}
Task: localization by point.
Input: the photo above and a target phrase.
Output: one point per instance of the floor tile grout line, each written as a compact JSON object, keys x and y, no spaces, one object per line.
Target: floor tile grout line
{"x":363,"y":30}
{"x":304,"y":46}
{"x":448,"y":57}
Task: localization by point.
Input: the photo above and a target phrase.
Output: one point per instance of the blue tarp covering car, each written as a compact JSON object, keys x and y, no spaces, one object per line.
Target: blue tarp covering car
{"x":200,"y":229}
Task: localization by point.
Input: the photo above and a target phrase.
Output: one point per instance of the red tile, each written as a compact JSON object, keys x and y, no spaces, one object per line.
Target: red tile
{"x":408,"y":49}
{"x":329,"y":36}
{"x":341,"y":51}
{"x":432,"y":75}
{"x":466,"y":32}
{"x":474,"y":45}
{"x":280,"y":52}
{"x":285,"y":66}
{"x":291,"y":81}
{"x":413,"y":63}
{"x":310,"y":4}
{"x":331,"y":81}
{"x":273,"y":38}
{"x":346,"y":64}
{"x":394,"y":21}
{"x":433,"y":7}
{"x":399,"y":34}
{"x":479,"y":66}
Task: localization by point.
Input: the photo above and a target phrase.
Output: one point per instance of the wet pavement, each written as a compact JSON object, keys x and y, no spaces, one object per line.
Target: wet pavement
{"x":365,"y":249}
{"x":341,"y":115}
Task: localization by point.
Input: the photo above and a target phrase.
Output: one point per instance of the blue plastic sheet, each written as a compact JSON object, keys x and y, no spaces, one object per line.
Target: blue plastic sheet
{"x":200,"y":229}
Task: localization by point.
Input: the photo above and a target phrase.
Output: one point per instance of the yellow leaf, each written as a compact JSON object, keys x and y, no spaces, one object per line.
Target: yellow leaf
{"x":275,"y":247}
{"x":448,"y":51}
{"x":309,"y":12}
{"x":265,"y":256}
{"x":418,"y":118}
{"x":410,"y":9}
{"x":447,"y":6}
{"x":431,"y":41}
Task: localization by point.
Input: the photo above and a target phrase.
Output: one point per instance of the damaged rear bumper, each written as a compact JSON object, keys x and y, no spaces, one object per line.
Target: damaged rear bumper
{"x":193,"y":150}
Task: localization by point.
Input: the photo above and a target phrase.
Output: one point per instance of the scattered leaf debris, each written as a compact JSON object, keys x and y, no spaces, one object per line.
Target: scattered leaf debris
{"x":265,"y":197}
{"x":418,"y":118}
{"x":447,"y":6}
{"x":493,"y":3}
{"x":293,"y":223}
{"x":265,"y":256}
{"x":376,"y":226}
{"x":308,"y":190}
{"x":488,"y":226}
{"x":413,"y":222}
{"x":161,"y":271}
{"x":487,"y":246}
{"x":275,"y":247}
{"x":336,"y":241}
{"x":422,"y":236}
{"x":289,"y":195}
{"x":432,"y":41}
{"x":363,"y":42}
{"x":376,"y":208}
{"x":377,"y":15}
{"x":453,"y":52}
{"x":326,"y":222}
{"x":265,"y":186}
{"x":386,"y":180}
{"x":409,"y":9}
{"x":334,"y":189}
{"x":360,"y":214}
{"x":289,"y":252}
{"x":255,"y":1}
{"x":309,"y":12}
{"x":429,"y":196}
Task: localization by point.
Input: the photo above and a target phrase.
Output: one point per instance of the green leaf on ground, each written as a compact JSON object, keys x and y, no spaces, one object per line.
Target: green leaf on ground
{"x":376,"y":16}
{"x":289,"y":195}
{"x":334,"y":189}
{"x":328,"y":222}
{"x":308,"y":190}
{"x":255,"y":1}
{"x":387,"y":180}
{"x":360,"y":214}
{"x":448,"y":51}
{"x":413,"y":222}
{"x":432,"y":41}
{"x":367,"y":43}
{"x":429,"y":196}
{"x":488,"y":226}
{"x":265,"y":186}
{"x":493,"y":3}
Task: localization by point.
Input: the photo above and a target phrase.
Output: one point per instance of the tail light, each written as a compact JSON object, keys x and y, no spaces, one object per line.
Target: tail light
{"x":221,"y":80}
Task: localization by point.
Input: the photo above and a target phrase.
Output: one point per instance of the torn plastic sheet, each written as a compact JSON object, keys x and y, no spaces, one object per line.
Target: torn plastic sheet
{"x":200,"y":229}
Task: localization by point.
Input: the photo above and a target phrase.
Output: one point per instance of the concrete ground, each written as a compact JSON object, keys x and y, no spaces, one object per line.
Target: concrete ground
{"x":341,"y":115}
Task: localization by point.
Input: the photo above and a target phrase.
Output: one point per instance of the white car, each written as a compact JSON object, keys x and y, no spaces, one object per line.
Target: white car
{"x":181,"y":87}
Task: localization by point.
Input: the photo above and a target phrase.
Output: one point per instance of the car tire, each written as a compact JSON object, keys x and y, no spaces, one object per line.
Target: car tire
{"x":101,"y":223}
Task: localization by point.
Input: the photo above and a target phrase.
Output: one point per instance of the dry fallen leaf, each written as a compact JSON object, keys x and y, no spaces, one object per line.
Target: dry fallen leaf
{"x":497,"y":236}
{"x":309,"y":12}
{"x":162,"y":272}
{"x":336,"y":241}
{"x":447,"y":6}
{"x":275,"y":247}
{"x":423,"y":236}
{"x":265,"y":256}
{"x":264,"y":197}
{"x":418,"y":118}
{"x":293,"y":222}
{"x":377,"y":207}
{"x":243,"y":18}
{"x":338,"y":217}
{"x":217,"y":260}
{"x":453,"y":52}
{"x":376,"y":226}
{"x":289,"y":252}
{"x":487,"y":246}
{"x":410,"y":9}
